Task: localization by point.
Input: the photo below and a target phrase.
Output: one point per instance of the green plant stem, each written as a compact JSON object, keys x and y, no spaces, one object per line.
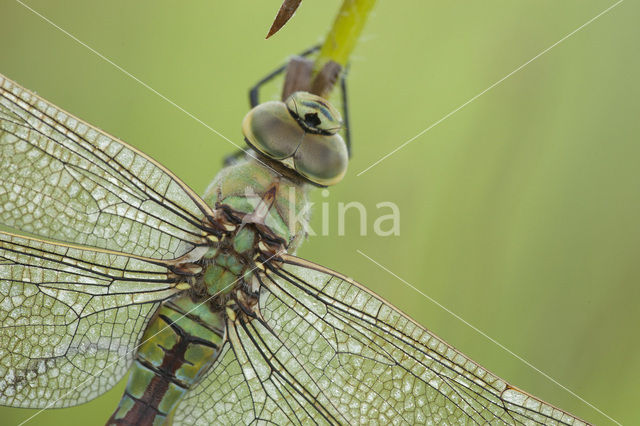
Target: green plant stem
{"x":344,"y":34}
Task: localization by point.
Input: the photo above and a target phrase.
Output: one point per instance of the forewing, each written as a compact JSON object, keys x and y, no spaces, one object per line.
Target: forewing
{"x":327,"y":350}
{"x":64,"y":179}
{"x":70,"y":319}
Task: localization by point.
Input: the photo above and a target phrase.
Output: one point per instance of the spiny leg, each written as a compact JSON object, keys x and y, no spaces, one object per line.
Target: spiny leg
{"x":233,"y":157}
{"x":345,"y":110}
{"x":323,"y":83}
{"x":253,"y":92}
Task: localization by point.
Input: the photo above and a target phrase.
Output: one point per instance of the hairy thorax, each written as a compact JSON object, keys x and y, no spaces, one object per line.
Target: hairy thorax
{"x":261,"y":193}
{"x":263,"y":213}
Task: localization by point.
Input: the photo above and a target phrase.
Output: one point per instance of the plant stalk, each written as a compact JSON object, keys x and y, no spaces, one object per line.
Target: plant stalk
{"x":342,"y":38}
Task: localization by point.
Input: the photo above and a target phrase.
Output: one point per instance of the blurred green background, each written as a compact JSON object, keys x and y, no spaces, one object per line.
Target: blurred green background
{"x":519,"y":212}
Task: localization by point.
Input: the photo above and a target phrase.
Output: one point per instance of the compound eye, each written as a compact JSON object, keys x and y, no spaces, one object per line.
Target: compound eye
{"x":314,"y":113}
{"x":322,"y":159}
{"x":272,"y":130}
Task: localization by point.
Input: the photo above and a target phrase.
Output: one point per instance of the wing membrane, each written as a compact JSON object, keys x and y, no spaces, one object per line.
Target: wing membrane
{"x":61,"y":178}
{"x":327,"y":350}
{"x":70,"y":319}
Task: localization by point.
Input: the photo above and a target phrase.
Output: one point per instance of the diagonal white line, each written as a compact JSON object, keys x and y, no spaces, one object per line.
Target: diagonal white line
{"x":145,"y":85}
{"x":491,"y":339}
{"x":135,"y":348}
{"x":489,"y":88}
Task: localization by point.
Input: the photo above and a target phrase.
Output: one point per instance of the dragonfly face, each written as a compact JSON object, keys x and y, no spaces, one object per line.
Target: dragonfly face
{"x":302,"y":134}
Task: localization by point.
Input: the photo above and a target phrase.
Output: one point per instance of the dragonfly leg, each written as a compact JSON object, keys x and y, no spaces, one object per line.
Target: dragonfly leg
{"x":345,"y":110}
{"x":254,"y":91}
{"x":323,"y":82}
{"x":233,"y":157}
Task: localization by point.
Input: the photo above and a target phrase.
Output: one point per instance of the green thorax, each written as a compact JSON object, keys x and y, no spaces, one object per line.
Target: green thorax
{"x":261,"y":205}
{"x":278,"y":200}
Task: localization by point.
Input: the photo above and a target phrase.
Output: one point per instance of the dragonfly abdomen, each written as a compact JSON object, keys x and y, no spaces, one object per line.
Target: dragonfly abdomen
{"x":181,"y":342}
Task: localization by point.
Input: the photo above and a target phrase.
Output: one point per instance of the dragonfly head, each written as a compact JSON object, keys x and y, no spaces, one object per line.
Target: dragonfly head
{"x":302,"y":134}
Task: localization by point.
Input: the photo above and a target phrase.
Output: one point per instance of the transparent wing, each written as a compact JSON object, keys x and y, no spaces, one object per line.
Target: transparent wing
{"x":326,"y":350}
{"x":70,"y":319}
{"x":63,"y":179}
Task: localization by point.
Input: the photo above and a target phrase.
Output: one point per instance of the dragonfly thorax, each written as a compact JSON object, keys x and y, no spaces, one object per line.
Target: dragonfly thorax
{"x":249,"y":192}
{"x":228,"y":268}
{"x":302,"y":134}
{"x":254,"y":227}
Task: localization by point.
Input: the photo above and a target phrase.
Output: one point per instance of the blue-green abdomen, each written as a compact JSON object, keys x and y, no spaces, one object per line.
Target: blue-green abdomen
{"x":181,"y":342}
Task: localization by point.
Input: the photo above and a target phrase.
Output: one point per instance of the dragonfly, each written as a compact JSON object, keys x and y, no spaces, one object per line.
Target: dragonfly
{"x":115,"y":265}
